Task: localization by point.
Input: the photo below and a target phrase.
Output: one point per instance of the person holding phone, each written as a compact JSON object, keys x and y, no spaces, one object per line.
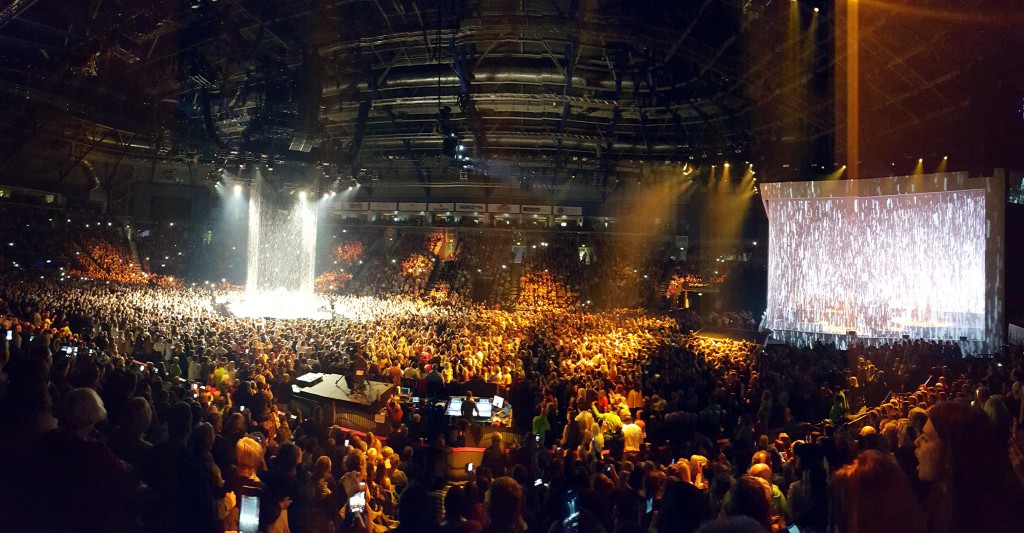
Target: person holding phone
{"x":354,"y":479}
{"x":246,"y":484}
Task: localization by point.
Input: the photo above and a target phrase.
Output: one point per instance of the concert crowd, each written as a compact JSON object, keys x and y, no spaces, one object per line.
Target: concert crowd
{"x":128,"y":407}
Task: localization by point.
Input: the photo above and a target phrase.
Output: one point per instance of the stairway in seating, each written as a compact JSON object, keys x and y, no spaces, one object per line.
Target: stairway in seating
{"x":83,"y":257}
{"x":136,"y":261}
{"x":373,"y":257}
{"x":516,"y":273}
{"x":440,"y":268}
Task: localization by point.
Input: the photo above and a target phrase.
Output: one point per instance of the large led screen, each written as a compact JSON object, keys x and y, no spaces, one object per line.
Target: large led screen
{"x":881,"y":266}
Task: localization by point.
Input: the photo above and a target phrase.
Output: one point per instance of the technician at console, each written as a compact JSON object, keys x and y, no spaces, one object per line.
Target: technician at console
{"x":469,"y":410}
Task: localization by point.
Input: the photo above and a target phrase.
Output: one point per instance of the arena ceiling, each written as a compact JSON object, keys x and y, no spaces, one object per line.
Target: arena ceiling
{"x":551,"y":91}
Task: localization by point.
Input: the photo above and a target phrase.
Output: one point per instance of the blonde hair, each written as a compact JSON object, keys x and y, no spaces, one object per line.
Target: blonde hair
{"x":248,"y":455}
{"x":322,"y":467}
{"x":81,"y":408}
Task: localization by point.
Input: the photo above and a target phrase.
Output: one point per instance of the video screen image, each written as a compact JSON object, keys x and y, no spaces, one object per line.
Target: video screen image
{"x":882,"y":266}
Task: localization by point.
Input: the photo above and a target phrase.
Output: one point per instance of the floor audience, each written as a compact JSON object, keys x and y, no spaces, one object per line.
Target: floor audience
{"x":145,"y":407}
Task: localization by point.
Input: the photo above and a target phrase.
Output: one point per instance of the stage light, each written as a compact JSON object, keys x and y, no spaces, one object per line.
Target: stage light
{"x":238,"y":190}
{"x":302,"y":195}
{"x":726,"y":165}
{"x":815,"y":10}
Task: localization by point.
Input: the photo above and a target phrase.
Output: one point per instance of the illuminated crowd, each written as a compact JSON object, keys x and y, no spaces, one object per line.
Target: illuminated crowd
{"x":136,"y":402}
{"x":165,"y":412}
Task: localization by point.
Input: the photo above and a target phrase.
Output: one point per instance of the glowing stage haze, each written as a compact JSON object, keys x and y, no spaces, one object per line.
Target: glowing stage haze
{"x":881,"y":265}
{"x":281,"y":256}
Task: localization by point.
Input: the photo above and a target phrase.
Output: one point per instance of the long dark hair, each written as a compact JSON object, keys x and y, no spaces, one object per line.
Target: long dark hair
{"x":978,"y":487}
{"x":873,"y":494}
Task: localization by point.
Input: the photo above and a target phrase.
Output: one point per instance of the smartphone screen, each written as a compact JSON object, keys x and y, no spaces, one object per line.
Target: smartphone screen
{"x":10,"y":335}
{"x":469,"y":467}
{"x":346,"y":443}
{"x":570,"y":514}
{"x":649,"y":506}
{"x":357,"y":503}
{"x":249,"y":515}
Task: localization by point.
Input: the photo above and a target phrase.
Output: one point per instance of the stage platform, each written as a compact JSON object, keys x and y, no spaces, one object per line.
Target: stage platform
{"x":331,"y":388}
{"x":734,"y":334}
{"x":972,"y":348}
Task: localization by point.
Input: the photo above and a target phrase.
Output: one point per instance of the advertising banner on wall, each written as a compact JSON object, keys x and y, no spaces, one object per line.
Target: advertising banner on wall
{"x":383,"y":206}
{"x":536,"y":209}
{"x":502,"y":208}
{"x":440,"y":207}
{"x":355,"y":206}
{"x":568,"y":210}
{"x":470,"y":207}
{"x":412,"y":206}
